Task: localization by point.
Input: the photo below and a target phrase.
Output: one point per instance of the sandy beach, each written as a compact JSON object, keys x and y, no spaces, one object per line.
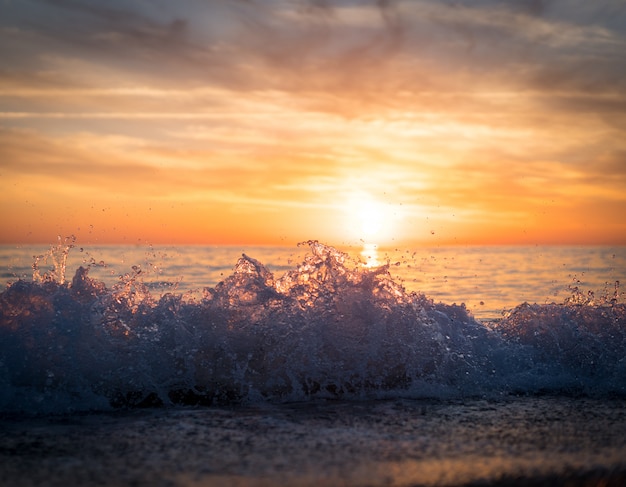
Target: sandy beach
{"x":520,"y":441}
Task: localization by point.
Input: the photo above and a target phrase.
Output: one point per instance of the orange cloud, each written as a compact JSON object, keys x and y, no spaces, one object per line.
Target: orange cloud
{"x":252,"y":122}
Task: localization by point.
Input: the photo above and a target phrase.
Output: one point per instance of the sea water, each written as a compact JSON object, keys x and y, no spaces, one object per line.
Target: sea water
{"x":399,"y":366}
{"x":489,"y":280}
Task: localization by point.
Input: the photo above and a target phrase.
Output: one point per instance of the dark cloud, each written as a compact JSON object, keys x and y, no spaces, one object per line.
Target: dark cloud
{"x":343,"y":46}
{"x":591,"y":75}
{"x":535,"y":8}
{"x":220,"y":46}
{"x":154,"y":46}
{"x":341,"y":55}
{"x":392,"y":18}
{"x":106,"y":28}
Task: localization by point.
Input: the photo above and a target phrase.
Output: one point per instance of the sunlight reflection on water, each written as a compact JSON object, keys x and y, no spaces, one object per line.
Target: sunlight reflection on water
{"x":369,"y":255}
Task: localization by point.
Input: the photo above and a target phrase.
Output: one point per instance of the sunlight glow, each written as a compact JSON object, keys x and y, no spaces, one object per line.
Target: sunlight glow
{"x":288,"y":134}
{"x":369,"y":219}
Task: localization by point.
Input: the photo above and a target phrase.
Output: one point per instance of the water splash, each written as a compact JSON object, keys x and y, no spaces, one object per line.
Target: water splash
{"x":57,"y":254}
{"x":609,"y":297}
{"x":328,"y":328}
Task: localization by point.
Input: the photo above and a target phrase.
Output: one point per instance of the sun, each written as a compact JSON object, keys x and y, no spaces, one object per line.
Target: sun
{"x":369,"y":219}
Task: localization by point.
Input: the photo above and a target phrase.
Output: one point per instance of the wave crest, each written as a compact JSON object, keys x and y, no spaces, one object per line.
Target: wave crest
{"x":328,"y":328}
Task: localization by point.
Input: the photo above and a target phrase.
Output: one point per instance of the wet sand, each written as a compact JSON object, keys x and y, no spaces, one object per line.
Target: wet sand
{"x":510,"y":442}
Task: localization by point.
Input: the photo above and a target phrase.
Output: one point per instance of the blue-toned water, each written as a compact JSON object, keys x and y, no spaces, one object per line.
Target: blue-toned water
{"x":93,"y":328}
{"x":364,"y":335}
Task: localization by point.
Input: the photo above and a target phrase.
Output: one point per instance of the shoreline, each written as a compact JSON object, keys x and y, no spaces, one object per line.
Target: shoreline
{"x":399,"y":442}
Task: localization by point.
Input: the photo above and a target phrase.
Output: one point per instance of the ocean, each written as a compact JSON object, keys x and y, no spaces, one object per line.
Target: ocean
{"x":312,"y":365}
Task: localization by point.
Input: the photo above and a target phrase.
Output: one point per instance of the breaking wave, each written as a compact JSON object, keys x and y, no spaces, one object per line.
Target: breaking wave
{"x":329,"y":328}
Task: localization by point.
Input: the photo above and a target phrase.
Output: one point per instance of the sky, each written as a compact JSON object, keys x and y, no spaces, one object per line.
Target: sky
{"x":276,"y":121}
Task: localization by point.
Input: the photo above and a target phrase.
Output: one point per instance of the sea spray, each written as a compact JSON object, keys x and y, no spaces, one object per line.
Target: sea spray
{"x":329,"y":328}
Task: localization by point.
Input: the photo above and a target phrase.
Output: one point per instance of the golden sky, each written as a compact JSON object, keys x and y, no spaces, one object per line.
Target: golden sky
{"x":275,"y":121}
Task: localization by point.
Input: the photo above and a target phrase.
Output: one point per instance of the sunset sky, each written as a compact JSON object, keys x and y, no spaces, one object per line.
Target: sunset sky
{"x":275,"y":121}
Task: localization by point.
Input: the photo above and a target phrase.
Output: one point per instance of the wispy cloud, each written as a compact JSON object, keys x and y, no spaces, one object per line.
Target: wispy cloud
{"x":493,"y":111}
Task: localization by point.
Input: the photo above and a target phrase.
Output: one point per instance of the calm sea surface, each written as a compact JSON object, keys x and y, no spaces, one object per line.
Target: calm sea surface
{"x":489,"y":280}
